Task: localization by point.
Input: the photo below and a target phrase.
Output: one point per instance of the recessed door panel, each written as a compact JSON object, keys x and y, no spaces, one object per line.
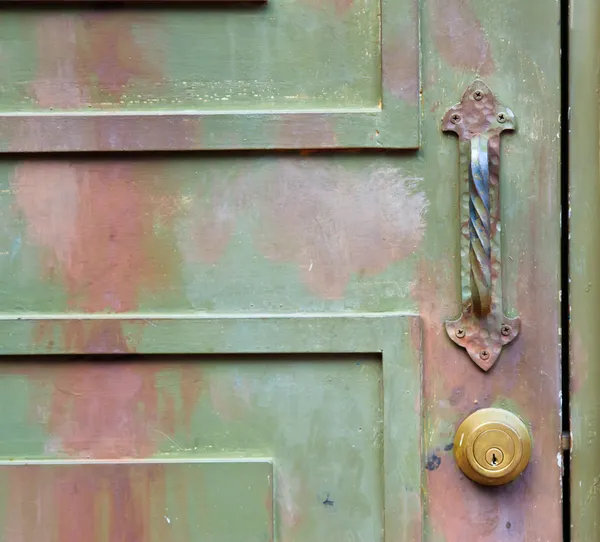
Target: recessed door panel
{"x":307,"y":428}
{"x":285,"y":74}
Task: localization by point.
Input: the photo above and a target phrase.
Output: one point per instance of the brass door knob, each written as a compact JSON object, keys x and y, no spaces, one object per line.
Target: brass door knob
{"x":492,"y":446}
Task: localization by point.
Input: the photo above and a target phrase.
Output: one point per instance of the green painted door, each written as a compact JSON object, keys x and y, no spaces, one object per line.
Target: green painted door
{"x":231,"y":234}
{"x":584,"y":260}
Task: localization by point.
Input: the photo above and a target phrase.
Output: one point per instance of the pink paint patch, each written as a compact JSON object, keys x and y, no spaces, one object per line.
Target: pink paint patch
{"x":94,"y":223}
{"x":57,"y":80}
{"x":115,"y":409}
{"x":400,"y":62}
{"x":335,"y":223}
{"x":341,"y":7}
{"x":459,"y":37}
{"x":93,"y":59}
{"x":76,"y":503}
{"x":319,"y":133}
{"x":210,"y":216}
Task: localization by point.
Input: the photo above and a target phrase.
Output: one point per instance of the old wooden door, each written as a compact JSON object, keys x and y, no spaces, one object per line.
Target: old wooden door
{"x":231,"y":236}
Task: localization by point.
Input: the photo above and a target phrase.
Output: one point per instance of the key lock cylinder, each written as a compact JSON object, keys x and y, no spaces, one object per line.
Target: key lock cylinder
{"x":492,"y":446}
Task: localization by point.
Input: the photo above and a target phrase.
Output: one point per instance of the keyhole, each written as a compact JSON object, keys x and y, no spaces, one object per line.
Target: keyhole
{"x":494,"y":457}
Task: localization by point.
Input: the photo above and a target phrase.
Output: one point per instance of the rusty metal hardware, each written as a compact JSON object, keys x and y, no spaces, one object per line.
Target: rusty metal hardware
{"x":482,"y":329}
{"x":492,"y":446}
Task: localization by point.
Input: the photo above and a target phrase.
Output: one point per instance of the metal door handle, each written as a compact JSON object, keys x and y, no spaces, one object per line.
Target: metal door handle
{"x":482,"y":329}
{"x":480,"y":256}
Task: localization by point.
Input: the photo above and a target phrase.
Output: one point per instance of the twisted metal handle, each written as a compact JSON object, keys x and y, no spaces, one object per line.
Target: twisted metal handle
{"x":480,"y":250}
{"x":482,"y":329}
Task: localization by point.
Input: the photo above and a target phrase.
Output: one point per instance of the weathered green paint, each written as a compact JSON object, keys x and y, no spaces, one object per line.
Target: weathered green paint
{"x":175,"y":241}
{"x":288,"y":74}
{"x":337,"y":419}
{"x":584,"y":186}
{"x":132,"y":500}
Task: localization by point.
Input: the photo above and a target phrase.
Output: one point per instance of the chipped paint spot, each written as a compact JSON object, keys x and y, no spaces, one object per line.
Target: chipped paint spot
{"x":433,"y":462}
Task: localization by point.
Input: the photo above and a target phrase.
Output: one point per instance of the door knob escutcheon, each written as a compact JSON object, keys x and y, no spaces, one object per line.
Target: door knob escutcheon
{"x":492,"y":446}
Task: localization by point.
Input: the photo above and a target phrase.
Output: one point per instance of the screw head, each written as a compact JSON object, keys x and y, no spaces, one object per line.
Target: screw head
{"x":460,"y":333}
{"x":456,"y":118}
{"x":506,"y":330}
{"x":478,"y":95}
{"x":502,"y":117}
{"x":484,"y":355}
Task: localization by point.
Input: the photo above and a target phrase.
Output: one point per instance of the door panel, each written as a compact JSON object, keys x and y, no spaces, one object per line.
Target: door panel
{"x":269,"y":254}
{"x":340,"y":419}
{"x":282,"y":75}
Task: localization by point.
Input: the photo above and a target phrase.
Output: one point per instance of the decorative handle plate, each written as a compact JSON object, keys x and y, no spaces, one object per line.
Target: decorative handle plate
{"x":482,"y":329}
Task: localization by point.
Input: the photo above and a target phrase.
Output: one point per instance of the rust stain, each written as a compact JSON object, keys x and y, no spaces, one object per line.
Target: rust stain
{"x":95,"y":225}
{"x":111,"y":502}
{"x":459,"y":37}
{"x":95,"y":410}
{"x":112,"y":409}
{"x":335,"y":223}
{"x":89,"y":59}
